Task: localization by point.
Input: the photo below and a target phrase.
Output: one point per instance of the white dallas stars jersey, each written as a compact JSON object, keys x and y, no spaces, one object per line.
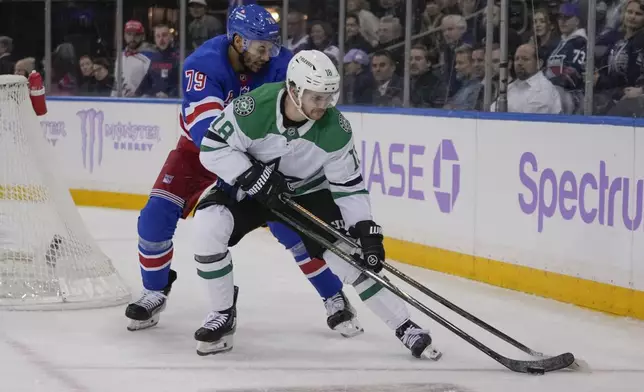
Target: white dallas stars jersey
{"x":317,"y":155}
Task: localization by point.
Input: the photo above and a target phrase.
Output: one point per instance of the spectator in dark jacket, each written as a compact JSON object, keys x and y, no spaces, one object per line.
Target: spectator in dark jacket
{"x":162,"y":78}
{"x":626,"y":58}
{"x":357,"y":81}
{"x":388,"y":87}
{"x":427,"y":89}
{"x":6,"y":60}
{"x":103,"y":81}
{"x":354,"y":39}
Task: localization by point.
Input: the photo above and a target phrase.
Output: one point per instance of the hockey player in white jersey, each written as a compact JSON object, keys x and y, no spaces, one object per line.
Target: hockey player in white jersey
{"x":288,"y":138}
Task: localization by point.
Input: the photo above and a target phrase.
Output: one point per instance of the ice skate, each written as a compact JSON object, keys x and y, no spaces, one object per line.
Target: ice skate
{"x":342,"y":316}
{"x":417,"y":340}
{"x":145,"y":312}
{"x":216,"y":334}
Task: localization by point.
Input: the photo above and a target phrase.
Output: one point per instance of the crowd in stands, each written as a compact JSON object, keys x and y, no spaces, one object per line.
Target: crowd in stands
{"x":547,"y":42}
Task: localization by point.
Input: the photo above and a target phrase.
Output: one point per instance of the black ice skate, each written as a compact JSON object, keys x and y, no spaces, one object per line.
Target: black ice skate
{"x":216,"y":334}
{"x":145,"y":312}
{"x":417,"y":340}
{"x":342,"y":316}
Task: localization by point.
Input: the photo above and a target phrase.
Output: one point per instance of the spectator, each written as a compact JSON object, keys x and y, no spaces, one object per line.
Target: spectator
{"x":606,"y":36}
{"x":567,"y":61}
{"x":432,"y":15}
{"x":320,"y":39}
{"x":478,"y":62}
{"x":390,"y":33}
{"x":388,"y":87}
{"x":86,"y":72}
{"x":203,"y":26}
{"x":162,"y":79}
{"x":545,"y":36}
{"x":25,"y":66}
{"x":454,"y":27}
{"x":64,"y":70}
{"x":355,"y":40}
{"x":103,"y":83}
{"x":368,"y":22}
{"x":623,"y":73}
{"x":467,"y":96}
{"x":532,"y":92}
{"x":474,"y":23}
{"x":514,"y":39}
{"x":6,"y":59}
{"x":357,"y":80}
{"x":427,"y":89}
{"x":298,"y":39}
{"x":136,"y":58}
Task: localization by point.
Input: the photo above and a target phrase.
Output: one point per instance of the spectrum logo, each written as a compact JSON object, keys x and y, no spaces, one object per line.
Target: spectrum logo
{"x":592,"y":197}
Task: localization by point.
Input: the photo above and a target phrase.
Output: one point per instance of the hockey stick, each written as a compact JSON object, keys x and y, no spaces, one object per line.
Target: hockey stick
{"x":423,"y":289}
{"x":540,"y":366}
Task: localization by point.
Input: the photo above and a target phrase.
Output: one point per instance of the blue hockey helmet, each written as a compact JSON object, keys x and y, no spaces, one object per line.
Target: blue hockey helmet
{"x":254,"y":23}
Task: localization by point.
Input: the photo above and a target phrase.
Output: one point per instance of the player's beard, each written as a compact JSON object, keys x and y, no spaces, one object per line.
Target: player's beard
{"x":249,"y":64}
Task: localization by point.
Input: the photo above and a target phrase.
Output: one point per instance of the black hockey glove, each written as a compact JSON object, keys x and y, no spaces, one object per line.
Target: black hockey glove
{"x":370,"y":236}
{"x":264,"y":184}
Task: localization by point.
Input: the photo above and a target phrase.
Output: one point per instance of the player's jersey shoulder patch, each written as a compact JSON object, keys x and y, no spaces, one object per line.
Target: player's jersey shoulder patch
{"x":244,"y":106}
{"x":344,"y":123}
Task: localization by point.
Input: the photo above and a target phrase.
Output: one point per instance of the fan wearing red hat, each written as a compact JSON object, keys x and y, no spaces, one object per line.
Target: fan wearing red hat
{"x":136,"y":58}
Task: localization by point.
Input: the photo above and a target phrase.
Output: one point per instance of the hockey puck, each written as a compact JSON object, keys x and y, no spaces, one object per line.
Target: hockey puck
{"x":536,"y":371}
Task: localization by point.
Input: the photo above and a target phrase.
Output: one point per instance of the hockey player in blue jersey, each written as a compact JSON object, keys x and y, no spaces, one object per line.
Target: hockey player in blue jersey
{"x":223,"y":68}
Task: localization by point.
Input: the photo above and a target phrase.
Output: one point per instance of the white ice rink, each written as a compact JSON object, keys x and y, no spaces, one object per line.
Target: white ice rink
{"x":283,"y":343}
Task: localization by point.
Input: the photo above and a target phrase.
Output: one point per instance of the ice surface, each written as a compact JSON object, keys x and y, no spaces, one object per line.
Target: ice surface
{"x":283,"y":343}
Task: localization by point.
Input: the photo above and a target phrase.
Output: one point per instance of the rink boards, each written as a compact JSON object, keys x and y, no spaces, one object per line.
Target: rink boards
{"x":542,"y":204}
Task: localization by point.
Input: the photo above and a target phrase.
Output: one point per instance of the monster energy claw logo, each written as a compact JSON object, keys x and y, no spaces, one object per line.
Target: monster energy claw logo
{"x":244,"y":106}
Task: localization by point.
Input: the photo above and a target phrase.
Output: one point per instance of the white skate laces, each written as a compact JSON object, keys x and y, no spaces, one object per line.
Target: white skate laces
{"x":412,"y":335}
{"x":215,"y":320}
{"x":150,"y":299}
{"x":334,"y":304}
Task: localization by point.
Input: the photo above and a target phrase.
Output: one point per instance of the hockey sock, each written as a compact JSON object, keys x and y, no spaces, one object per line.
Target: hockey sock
{"x":382,"y":302}
{"x":155,"y":259}
{"x":216,"y":271}
{"x":317,"y":272}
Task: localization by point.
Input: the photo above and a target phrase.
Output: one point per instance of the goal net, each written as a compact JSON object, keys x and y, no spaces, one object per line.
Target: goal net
{"x":48,"y":260}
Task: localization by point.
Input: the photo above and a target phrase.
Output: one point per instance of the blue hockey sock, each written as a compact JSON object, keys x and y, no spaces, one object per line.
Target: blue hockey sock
{"x":316,"y":270}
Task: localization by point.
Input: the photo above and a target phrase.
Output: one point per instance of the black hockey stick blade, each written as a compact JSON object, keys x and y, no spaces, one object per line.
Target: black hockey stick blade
{"x":540,"y":366}
{"x":535,"y":366}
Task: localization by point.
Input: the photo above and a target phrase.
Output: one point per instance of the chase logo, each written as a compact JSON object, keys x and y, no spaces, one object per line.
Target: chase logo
{"x":446,"y":187}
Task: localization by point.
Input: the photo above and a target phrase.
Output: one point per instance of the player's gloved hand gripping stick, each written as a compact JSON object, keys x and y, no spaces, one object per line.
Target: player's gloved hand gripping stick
{"x":537,"y":366}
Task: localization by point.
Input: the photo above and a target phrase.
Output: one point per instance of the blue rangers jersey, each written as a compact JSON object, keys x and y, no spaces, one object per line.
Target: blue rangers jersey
{"x":567,"y":62}
{"x":210,"y":83}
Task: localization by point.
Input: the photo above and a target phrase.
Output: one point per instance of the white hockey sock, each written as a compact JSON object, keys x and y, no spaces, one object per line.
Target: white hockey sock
{"x":385,"y":304}
{"x":216,"y":271}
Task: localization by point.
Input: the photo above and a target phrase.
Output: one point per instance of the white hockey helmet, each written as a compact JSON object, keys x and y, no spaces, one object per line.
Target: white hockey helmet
{"x":312,"y":70}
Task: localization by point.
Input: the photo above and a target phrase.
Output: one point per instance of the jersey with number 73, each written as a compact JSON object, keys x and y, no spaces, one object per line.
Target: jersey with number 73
{"x":317,"y":155}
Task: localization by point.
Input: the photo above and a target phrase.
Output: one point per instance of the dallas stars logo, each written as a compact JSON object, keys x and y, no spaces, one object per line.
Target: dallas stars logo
{"x":244,"y":106}
{"x":344,"y":123}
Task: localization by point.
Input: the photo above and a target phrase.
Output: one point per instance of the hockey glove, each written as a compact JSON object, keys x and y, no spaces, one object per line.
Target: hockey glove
{"x":370,"y":236}
{"x":264,"y":184}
